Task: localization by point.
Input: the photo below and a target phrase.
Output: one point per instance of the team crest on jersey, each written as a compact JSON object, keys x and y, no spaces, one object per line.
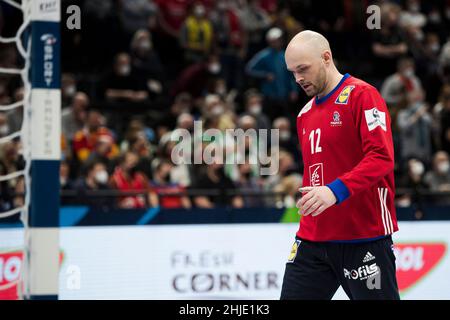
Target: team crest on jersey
{"x":316,"y":175}
{"x":344,"y":95}
{"x":336,"y":119}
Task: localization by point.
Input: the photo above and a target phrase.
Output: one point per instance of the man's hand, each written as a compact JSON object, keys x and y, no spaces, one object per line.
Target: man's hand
{"x":316,"y":200}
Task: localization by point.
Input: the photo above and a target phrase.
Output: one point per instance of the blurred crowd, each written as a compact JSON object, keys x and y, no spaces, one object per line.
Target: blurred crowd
{"x":140,"y":69}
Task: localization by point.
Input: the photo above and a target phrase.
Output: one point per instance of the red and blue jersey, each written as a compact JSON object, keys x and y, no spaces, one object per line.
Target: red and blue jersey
{"x":346,"y":144}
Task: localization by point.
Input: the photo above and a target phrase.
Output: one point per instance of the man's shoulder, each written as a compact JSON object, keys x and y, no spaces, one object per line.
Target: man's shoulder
{"x":360,"y":85}
{"x":306,"y":108}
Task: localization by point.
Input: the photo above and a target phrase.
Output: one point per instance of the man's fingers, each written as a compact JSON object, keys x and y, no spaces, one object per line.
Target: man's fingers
{"x":305,"y":208}
{"x":313,"y":208}
{"x":305,"y":189}
{"x":319,"y":211}
{"x":305,"y":198}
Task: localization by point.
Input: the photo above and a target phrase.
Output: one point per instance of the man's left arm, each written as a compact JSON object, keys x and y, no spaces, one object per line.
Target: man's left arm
{"x":374,"y":124}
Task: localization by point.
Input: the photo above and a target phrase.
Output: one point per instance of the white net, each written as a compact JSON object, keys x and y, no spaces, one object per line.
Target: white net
{"x":22,"y":41}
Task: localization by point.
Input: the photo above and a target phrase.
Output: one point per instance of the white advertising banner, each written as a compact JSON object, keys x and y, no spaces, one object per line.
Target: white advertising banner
{"x":220,"y":261}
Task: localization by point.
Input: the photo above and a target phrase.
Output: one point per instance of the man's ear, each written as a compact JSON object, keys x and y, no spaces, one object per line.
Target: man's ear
{"x":327,"y":58}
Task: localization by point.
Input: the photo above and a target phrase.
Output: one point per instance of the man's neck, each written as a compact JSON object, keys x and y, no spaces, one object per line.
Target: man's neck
{"x":333,"y":81}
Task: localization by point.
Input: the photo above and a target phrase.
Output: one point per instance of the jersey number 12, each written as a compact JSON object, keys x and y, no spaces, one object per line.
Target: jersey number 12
{"x":317,"y":148}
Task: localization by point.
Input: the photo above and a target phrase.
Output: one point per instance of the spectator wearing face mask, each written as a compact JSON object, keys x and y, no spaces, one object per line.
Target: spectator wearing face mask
{"x":439,"y":178}
{"x":127,"y":178}
{"x":197,"y":34}
{"x":413,"y":183}
{"x":404,"y":80}
{"x":162,"y":186}
{"x":196,"y":77}
{"x":68,"y":88}
{"x":4,"y":127}
{"x":95,"y":179}
{"x":123,"y":84}
{"x":415,"y":125}
{"x":388,"y":43}
{"x":254,"y":107}
{"x":146,"y":63}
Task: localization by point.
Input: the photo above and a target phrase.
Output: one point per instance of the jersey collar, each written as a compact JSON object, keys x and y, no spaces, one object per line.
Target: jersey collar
{"x":321,"y":100}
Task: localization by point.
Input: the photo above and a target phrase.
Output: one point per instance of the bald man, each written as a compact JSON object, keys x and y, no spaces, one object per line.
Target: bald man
{"x":347,"y":203}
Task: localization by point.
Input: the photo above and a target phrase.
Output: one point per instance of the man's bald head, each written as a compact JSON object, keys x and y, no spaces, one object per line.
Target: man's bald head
{"x":310,"y":40}
{"x":308,"y":56}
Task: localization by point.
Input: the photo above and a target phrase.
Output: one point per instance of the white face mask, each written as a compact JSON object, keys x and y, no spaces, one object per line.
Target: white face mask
{"x":435,"y":47}
{"x":101,"y":177}
{"x":62,"y":181}
{"x":145,"y":45}
{"x":70,"y":91}
{"x":443,"y":167}
{"x":417,"y":169}
{"x":285,"y":135}
{"x":217,"y":111}
{"x":124,"y":70}
{"x":255,"y":109}
{"x":214,"y":68}
{"x":4,"y":130}
{"x":408,"y":73}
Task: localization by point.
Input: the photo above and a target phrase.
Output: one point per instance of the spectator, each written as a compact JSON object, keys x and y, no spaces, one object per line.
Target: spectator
{"x":123,"y":84}
{"x":254,"y":107}
{"x":397,"y":85}
{"x":127,"y":179}
{"x":214,"y":179}
{"x":138,"y":14}
{"x":249,"y":185}
{"x":197,"y":35}
{"x":146,"y":63}
{"x":413,"y":183}
{"x":103,"y":152}
{"x":230,"y":39}
{"x":85,"y":140}
{"x":167,"y":191}
{"x":437,"y":112}
{"x":196,"y":77}
{"x":15,"y":116}
{"x":95,"y":179}
{"x":73,"y":117}
{"x":444,"y":115}
{"x":439,"y":178}
{"x":388,"y":44}
{"x":4,"y":126}
{"x":68,"y":88}
{"x":255,"y":21}
{"x":277,"y":83}
{"x":65,"y":181}
{"x":414,"y":123}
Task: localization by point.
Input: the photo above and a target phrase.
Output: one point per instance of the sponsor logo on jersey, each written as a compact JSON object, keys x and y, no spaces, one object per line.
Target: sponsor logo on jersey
{"x":336,"y":119}
{"x":344,"y":95}
{"x":316,"y":175}
{"x":294,"y":251}
{"x":375,"y":118}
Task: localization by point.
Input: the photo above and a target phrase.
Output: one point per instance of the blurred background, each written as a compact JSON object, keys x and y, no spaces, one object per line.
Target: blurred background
{"x":139,"y":69}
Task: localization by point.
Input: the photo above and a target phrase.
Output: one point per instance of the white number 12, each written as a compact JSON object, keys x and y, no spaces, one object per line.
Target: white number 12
{"x":311,"y":138}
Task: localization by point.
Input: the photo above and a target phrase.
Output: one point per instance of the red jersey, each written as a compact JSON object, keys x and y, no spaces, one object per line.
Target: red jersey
{"x":346,"y":144}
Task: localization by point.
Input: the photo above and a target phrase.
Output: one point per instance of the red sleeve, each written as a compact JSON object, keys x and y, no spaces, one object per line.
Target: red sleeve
{"x":373,"y":122}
